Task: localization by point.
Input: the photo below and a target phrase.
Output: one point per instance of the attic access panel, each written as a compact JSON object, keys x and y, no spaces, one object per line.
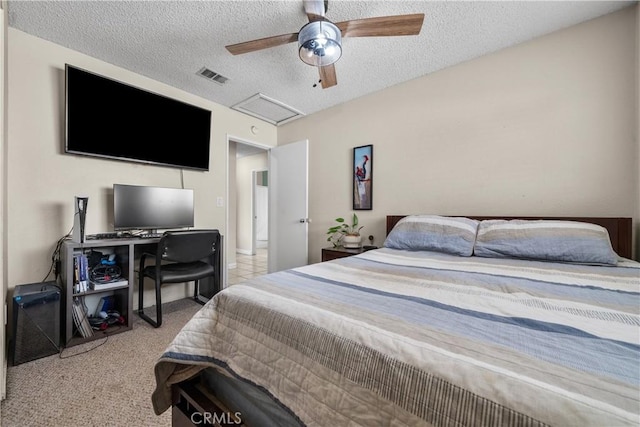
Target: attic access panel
{"x":268,"y":109}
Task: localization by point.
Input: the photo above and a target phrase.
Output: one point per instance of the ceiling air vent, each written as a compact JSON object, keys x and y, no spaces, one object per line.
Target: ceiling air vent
{"x":212,"y":75}
{"x":268,"y":109}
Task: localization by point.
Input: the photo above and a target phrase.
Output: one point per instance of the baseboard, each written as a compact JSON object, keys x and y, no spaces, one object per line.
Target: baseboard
{"x":244,"y":251}
{"x":3,"y":396}
{"x":232,"y":265}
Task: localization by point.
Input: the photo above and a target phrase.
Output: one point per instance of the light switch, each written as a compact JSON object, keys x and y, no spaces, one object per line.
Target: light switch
{"x":219,"y":202}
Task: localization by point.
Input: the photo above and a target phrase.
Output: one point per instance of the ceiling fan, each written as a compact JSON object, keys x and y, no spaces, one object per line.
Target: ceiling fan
{"x":320,"y":41}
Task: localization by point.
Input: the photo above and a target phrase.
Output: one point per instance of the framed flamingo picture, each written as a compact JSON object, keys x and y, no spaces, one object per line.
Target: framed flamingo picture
{"x":362,"y":177}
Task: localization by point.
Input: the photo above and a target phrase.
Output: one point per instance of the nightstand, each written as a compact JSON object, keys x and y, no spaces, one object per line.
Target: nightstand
{"x":339,"y":252}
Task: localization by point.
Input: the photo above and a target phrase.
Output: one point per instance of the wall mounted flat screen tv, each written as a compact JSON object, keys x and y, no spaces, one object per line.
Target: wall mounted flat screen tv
{"x":110,"y":119}
{"x":137,"y":207}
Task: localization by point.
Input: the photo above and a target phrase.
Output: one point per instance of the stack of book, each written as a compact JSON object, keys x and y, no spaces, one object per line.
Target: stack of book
{"x":101,"y":286}
{"x":80,"y":273}
{"x":80,"y":319}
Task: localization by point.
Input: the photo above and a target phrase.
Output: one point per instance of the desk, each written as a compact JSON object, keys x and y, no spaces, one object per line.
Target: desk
{"x":127,"y":252}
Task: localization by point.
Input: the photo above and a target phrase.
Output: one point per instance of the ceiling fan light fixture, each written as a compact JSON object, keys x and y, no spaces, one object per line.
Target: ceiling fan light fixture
{"x":319,"y":43}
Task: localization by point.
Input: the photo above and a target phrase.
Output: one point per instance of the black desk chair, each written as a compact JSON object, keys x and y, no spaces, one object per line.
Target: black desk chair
{"x":181,"y":256}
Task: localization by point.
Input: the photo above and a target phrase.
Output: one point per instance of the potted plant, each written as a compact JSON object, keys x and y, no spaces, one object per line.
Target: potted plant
{"x":345,"y":234}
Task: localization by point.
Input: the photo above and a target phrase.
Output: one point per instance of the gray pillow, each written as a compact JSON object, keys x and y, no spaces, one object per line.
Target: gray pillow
{"x":452,"y":235}
{"x":547,"y":240}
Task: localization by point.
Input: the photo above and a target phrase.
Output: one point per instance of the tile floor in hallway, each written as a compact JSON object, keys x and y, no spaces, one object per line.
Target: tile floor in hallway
{"x":248,"y":266}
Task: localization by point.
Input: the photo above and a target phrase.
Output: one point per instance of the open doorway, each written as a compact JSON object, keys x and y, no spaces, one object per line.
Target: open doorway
{"x":260,"y":190}
{"x":247,"y":238}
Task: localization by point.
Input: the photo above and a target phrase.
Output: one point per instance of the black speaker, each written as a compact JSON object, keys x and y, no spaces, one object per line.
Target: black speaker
{"x":79,"y":218}
{"x":36,"y":321}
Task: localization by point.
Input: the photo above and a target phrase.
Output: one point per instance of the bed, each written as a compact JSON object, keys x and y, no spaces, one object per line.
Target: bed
{"x":456,"y":321}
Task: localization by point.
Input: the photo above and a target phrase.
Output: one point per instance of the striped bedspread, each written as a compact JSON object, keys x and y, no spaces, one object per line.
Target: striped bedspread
{"x":392,"y":337}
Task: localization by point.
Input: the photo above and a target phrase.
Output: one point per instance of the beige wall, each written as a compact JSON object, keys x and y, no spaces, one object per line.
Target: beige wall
{"x":545,"y":128}
{"x":636,"y":218}
{"x":4,"y":19}
{"x":42,"y":180}
{"x":548,"y":127}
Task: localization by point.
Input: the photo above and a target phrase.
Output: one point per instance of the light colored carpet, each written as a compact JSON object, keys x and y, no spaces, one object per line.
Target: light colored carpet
{"x":110,"y":385}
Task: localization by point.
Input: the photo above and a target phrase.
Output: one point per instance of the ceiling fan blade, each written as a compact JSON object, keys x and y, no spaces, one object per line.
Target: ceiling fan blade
{"x":400,"y":25}
{"x":265,"y":43}
{"x":315,"y":9}
{"x":328,"y":76}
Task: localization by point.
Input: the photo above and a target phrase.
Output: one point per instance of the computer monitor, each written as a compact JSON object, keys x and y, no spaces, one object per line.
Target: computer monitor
{"x":152,"y":208}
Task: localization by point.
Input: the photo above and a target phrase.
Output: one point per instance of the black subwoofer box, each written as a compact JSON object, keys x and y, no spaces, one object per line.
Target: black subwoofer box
{"x":36,"y":321}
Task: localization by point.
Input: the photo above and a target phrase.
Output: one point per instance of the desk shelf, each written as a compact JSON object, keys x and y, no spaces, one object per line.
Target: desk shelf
{"x":125,"y":251}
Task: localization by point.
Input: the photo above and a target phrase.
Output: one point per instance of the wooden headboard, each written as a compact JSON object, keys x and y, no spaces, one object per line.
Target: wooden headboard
{"x":619,"y":228}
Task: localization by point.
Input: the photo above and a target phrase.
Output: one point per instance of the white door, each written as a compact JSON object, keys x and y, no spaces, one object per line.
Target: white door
{"x":288,"y":206}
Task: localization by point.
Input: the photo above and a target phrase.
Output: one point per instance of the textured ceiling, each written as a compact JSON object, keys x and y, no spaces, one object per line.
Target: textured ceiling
{"x":170,"y":41}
